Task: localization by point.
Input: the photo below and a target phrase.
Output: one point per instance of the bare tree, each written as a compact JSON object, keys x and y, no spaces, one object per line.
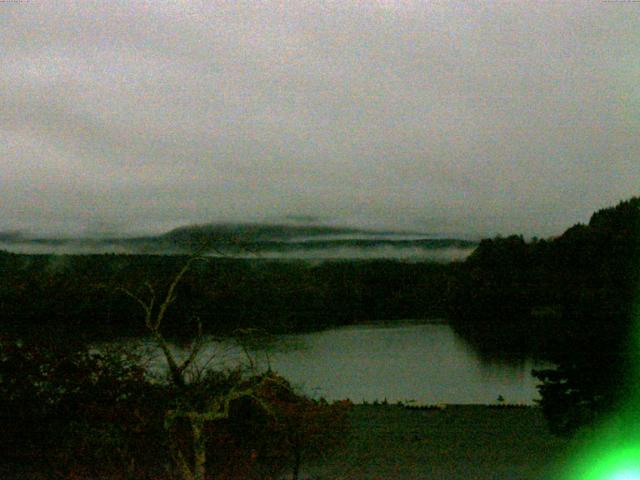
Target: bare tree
{"x":218,"y":404}
{"x":154,"y":317}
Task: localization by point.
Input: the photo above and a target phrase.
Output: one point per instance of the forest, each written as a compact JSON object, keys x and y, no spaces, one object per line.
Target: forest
{"x":84,"y":295}
{"x":569,"y":299}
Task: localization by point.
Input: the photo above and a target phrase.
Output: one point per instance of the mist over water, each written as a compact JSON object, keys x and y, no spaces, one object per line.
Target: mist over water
{"x":71,"y":247}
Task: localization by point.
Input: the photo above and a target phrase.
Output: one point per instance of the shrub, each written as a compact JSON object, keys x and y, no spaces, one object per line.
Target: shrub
{"x":76,"y":408}
{"x":71,"y":412}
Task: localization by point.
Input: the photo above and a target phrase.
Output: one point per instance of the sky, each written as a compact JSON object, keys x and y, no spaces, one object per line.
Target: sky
{"x":461,"y":118}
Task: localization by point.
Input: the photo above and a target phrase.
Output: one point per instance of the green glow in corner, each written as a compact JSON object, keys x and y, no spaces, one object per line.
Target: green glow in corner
{"x":613,"y":451}
{"x":623,"y":464}
{"x":627,"y":475}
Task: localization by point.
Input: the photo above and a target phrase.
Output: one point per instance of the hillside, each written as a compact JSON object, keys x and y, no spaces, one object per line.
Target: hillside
{"x":269,"y":240}
{"x":569,"y":300}
{"x":512,"y":294}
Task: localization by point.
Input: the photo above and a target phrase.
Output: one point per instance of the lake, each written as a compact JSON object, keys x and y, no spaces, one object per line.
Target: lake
{"x":422,"y":362}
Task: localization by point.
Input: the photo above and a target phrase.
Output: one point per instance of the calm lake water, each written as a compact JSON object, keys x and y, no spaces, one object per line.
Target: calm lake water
{"x":427,"y":363}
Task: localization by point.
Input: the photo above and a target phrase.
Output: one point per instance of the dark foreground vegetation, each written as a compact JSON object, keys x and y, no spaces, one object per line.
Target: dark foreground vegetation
{"x":70,"y":413}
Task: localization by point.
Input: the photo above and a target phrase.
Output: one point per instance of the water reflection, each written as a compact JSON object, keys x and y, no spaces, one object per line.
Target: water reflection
{"x":427,"y":363}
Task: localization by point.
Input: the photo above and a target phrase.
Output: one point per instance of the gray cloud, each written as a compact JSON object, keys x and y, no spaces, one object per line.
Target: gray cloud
{"x":461,"y":117}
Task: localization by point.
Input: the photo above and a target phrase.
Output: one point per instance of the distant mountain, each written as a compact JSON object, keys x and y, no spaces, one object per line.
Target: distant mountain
{"x":269,"y":240}
{"x":252,"y":232}
{"x":267,"y":231}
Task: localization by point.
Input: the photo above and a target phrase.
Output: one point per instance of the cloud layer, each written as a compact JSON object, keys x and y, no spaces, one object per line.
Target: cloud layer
{"x":454,"y":117}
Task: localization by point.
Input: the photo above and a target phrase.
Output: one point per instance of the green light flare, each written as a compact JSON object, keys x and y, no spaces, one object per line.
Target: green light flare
{"x":612,"y":450}
{"x":635,"y":347}
{"x":627,"y":475}
{"x":607,"y":464}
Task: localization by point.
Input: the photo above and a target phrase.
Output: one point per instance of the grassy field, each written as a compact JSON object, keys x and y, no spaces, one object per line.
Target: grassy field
{"x":469,"y":442}
{"x":466,"y":442}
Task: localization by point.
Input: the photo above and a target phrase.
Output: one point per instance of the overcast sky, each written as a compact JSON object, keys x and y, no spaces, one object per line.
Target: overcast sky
{"x":471,"y":118}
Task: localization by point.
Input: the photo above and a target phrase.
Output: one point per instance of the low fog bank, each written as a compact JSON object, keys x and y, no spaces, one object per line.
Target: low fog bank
{"x":440,"y":255}
{"x":387,"y":251}
{"x":371,"y":236}
{"x":74,"y":247}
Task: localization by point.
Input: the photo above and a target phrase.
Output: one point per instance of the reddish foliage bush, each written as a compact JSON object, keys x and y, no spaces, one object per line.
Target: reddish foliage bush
{"x":90,"y":415}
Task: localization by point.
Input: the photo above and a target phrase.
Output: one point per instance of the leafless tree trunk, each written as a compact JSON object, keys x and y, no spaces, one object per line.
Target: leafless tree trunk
{"x":218,"y":406}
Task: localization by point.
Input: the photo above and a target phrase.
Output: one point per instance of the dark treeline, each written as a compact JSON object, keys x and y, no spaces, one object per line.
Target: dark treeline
{"x":569,"y":300}
{"x":85,"y":294}
{"x":512,"y":295}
